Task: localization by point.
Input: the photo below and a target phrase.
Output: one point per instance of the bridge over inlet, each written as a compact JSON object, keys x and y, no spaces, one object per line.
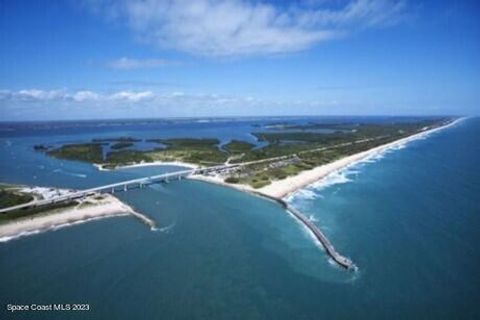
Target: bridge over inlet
{"x":140,"y":182}
{"x":178,"y":175}
{"x":120,"y":186}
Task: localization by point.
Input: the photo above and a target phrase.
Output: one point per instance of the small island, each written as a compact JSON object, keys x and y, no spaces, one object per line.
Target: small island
{"x":284,"y":162}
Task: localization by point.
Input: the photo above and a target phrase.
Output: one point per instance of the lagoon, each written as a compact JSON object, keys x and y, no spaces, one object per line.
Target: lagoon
{"x":409,"y":219}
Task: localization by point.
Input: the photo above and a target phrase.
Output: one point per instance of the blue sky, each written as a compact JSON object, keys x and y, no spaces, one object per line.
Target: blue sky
{"x":130,"y":58}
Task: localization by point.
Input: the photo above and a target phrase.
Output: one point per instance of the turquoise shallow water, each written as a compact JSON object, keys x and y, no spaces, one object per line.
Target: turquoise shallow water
{"x":409,"y":220}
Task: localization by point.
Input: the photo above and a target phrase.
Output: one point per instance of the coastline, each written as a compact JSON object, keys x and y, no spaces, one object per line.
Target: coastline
{"x":283,"y":188}
{"x":55,"y":219}
{"x":101,"y":167}
{"x":279,"y":190}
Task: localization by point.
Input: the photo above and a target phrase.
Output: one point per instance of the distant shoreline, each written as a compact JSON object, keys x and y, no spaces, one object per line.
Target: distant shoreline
{"x":284,"y":188}
{"x":110,"y":206}
{"x":281,"y":189}
{"x":101,"y":167}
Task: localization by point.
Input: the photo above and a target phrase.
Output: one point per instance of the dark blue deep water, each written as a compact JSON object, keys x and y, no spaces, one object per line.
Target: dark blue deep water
{"x":410,"y":220}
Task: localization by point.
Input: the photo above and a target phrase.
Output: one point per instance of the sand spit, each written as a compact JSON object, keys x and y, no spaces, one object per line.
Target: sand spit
{"x":89,"y":209}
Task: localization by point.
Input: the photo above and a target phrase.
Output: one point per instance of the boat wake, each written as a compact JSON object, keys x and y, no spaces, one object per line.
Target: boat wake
{"x":73,"y":174}
{"x":168,"y":228}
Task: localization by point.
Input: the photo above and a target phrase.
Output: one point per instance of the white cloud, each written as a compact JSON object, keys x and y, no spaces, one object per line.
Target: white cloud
{"x":81,"y":96}
{"x":132,"y":96}
{"x":36,"y":94}
{"x":241,"y":27}
{"x":125,"y":63}
{"x":174,"y":99}
{"x":84,"y":96}
{"x":58,"y":104}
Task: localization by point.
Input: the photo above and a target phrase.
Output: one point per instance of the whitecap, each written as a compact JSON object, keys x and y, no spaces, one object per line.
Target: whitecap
{"x":341,"y":176}
{"x":336,"y":177}
{"x":306,"y":194}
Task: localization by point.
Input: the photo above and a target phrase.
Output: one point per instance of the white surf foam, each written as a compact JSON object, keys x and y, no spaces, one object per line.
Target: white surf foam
{"x":306,"y":194}
{"x":57,"y":227}
{"x":346,"y":174}
{"x":336,"y":177}
{"x":167,"y":228}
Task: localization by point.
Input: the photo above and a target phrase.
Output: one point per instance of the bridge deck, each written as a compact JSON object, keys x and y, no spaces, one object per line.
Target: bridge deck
{"x":142,"y":180}
{"x":339,"y":259}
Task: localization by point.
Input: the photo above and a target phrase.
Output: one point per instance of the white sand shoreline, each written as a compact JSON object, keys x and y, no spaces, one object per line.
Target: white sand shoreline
{"x":286,"y":187}
{"x":108,"y":207}
{"x":281,"y":189}
{"x":100,"y":167}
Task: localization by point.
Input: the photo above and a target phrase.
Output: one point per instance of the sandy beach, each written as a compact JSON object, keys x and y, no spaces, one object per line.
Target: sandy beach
{"x":285,"y":187}
{"x":149,"y":164}
{"x":280,"y":189}
{"x":108,"y":206}
{"x":219,"y":180}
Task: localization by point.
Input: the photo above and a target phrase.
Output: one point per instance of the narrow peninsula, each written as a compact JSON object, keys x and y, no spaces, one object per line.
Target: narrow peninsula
{"x":35,"y":219}
{"x":285,"y":158}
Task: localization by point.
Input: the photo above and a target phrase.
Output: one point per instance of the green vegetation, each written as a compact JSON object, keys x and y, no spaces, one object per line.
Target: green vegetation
{"x":259,"y":180}
{"x":119,"y":139}
{"x":295,"y":150}
{"x":17,"y":214}
{"x":237,"y":146}
{"x":125,"y":157}
{"x":310,"y":149}
{"x":187,"y":142}
{"x":199,"y":151}
{"x":87,"y":152}
{"x":40,"y":147}
{"x":11,"y":197}
{"x":121,"y":145}
{"x":232,"y":180}
{"x":340,"y":126}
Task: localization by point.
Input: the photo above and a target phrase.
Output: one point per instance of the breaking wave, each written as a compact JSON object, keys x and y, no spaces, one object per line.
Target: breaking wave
{"x":346,"y":174}
{"x":306,"y":194}
{"x":336,"y":177}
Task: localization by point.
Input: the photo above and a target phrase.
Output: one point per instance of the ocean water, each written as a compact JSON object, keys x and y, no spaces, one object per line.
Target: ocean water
{"x":408,"y":218}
